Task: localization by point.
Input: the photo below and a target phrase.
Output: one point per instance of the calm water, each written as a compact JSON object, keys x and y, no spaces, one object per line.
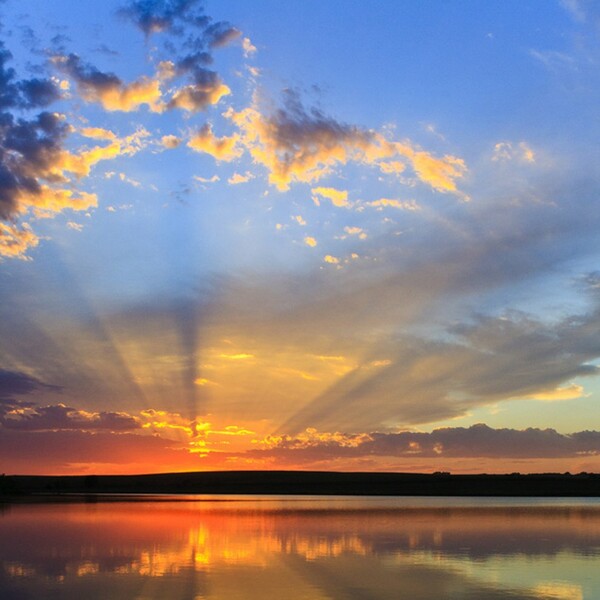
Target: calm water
{"x":302,"y":548}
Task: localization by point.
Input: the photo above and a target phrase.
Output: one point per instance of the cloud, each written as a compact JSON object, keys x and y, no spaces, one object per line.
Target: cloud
{"x":356,"y":231}
{"x":338,"y":198}
{"x":220,"y":34}
{"x":61,"y":417}
{"x":299,"y":219}
{"x":571,"y":392}
{"x":204,"y":87}
{"x":28,"y":149}
{"x":212,"y":179}
{"x":31,"y":151}
{"x":109,"y":90}
{"x":25,"y":93}
{"x":297,"y":144}
{"x":238,"y":356}
{"x":35,"y":167}
{"x":238,"y":178}
{"x":224,"y":148}
{"x":170,"y":141}
{"x":16,"y":241}
{"x":15,"y":383}
{"x":450,"y":378}
{"x":392,"y":203}
{"x":249,"y":47}
{"x":208,"y":89}
{"x":477,"y":441}
{"x":440,"y":173}
{"x":507,"y":151}
{"x":155,"y":16}
{"x":392,"y":167}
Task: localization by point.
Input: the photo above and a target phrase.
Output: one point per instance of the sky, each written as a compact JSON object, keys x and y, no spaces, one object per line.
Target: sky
{"x":299,"y":235}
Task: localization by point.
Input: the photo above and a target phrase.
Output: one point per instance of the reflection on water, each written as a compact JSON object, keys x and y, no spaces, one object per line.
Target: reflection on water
{"x":351,"y":549}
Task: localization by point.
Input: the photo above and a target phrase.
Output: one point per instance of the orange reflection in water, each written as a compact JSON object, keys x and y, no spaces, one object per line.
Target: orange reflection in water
{"x":247,"y":549}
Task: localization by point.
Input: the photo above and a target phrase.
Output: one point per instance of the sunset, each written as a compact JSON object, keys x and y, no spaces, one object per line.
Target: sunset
{"x":299,"y":235}
{"x":299,"y":299}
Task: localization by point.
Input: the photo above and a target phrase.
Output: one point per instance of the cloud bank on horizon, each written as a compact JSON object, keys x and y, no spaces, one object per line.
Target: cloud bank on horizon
{"x":217,"y":251}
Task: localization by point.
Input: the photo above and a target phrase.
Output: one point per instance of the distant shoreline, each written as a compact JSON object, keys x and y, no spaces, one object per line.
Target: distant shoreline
{"x":106,"y":488}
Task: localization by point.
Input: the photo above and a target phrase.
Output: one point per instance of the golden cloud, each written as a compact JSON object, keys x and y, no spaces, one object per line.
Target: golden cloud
{"x":296,"y":145}
{"x":338,"y":198}
{"x":125,"y":97}
{"x":194,"y":98}
{"x":570,"y":392}
{"x":15,"y":241}
{"x":440,"y":173}
{"x":54,"y":193}
{"x":223,"y":148}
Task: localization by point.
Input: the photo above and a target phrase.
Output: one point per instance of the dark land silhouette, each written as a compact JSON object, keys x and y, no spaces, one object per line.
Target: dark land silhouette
{"x":13,"y":487}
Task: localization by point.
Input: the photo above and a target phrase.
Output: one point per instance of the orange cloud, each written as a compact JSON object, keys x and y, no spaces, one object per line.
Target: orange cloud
{"x":295,"y":151}
{"x":194,"y":98}
{"x":50,"y":201}
{"x":570,"y":392}
{"x":53,"y":192}
{"x":440,"y":173}
{"x":297,"y":145}
{"x":224,"y":148}
{"x":130,"y":97}
{"x":15,"y":241}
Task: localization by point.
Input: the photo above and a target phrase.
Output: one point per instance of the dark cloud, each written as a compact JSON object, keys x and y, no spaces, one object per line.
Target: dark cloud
{"x":59,"y":40}
{"x":477,"y":441}
{"x":59,"y":416}
{"x":220,"y":34}
{"x":29,"y":39}
{"x":38,"y":93}
{"x":88,"y":77}
{"x":154,"y":16}
{"x":204,"y":87}
{"x":104,"y":49}
{"x":27,"y":146}
{"x":193,"y":62}
{"x":24,"y":94}
{"x":14,"y":385}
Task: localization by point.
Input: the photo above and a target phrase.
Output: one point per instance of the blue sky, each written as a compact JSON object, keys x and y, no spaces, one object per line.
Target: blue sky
{"x":257,"y":235}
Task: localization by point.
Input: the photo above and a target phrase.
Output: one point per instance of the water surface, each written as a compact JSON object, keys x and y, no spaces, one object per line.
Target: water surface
{"x":230,"y":548}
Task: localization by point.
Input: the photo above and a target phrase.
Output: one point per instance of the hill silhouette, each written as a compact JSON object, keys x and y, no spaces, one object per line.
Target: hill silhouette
{"x":306,"y":483}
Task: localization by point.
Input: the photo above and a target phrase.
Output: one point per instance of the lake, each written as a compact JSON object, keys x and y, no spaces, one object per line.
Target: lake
{"x":302,"y":548}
